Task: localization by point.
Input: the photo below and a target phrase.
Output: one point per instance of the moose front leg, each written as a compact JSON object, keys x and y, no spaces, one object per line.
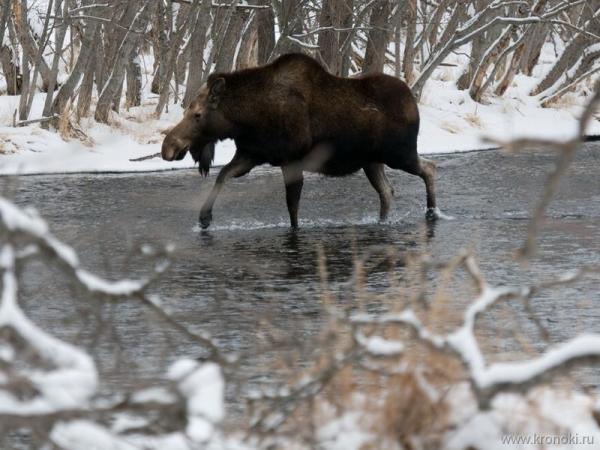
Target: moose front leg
{"x":236,"y":168}
{"x":293,"y":179}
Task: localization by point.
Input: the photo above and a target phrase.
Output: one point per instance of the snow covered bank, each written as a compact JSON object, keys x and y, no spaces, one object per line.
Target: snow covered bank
{"x":135,"y":133}
{"x":450,"y":122}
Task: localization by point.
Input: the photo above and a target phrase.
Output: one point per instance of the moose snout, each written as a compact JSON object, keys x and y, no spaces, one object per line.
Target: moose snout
{"x":173,"y":149}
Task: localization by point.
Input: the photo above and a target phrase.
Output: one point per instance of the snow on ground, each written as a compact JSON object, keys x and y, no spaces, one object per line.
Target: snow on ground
{"x":450,"y":122}
{"x":134,"y":133}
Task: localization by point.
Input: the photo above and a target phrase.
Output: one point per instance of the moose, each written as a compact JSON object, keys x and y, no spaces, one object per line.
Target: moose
{"x":293,"y":114}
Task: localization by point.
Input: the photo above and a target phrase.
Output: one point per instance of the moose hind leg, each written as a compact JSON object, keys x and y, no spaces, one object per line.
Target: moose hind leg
{"x":376,"y":174}
{"x":293,"y":179}
{"x":425,"y":169}
{"x":236,"y":168}
{"x":427,"y":173}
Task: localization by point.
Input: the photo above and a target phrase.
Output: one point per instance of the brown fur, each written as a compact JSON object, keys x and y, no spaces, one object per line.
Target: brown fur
{"x":292,"y":113}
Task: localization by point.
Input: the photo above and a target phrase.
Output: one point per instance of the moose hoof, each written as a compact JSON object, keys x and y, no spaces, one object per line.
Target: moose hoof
{"x":432,"y":214}
{"x":205,"y":220}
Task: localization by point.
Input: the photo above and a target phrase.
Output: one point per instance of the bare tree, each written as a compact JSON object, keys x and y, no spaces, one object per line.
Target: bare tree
{"x":410,"y":16}
{"x":67,"y":89}
{"x":24,"y":29}
{"x":198,"y":43}
{"x":139,"y":18}
{"x":224,"y":59}
{"x":60,"y":32}
{"x":379,"y":37}
{"x":290,"y":21}
{"x":133,"y":95}
{"x":266,"y":33}
{"x":176,"y":40}
{"x":246,"y":52}
{"x":29,"y":45}
{"x":84,"y":99}
{"x":191,"y":39}
{"x":10,"y":62}
{"x":9,"y":68}
{"x":330,"y":22}
{"x":162,"y":26}
{"x":574,"y":50}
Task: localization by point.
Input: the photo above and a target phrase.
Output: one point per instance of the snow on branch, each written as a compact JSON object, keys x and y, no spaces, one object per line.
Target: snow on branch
{"x":490,"y":16}
{"x":302,"y":44}
{"x":27,"y":226}
{"x":70,"y":382}
{"x":47,"y":382}
{"x":486,"y":379}
{"x":273,"y":407}
{"x":241,"y":5}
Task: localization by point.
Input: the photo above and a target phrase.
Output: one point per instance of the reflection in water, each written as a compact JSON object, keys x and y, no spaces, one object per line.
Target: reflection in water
{"x":431,"y":225}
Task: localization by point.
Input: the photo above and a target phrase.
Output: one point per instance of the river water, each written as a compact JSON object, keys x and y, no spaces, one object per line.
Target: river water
{"x":249,"y":268}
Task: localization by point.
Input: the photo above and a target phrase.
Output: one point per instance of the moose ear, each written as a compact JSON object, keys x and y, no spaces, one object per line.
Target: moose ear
{"x":217,"y":87}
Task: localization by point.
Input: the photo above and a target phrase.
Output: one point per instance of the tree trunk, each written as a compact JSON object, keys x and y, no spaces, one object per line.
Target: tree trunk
{"x":115,"y":80}
{"x":512,"y":68}
{"x":491,"y":55}
{"x":68,"y":88}
{"x":11,"y":70}
{"x":478,"y":48}
{"x":183,"y":23}
{"x":198,"y":43}
{"x":519,"y":53}
{"x":409,"y":42}
{"x":133,"y":96}
{"x":84,"y":99}
{"x":460,"y":35}
{"x":246,"y":55}
{"x":457,"y":17}
{"x":397,"y":43}
{"x":59,"y":38}
{"x":170,"y":64}
{"x":265,"y":24}
{"x":226,"y":55}
{"x":378,"y":39}
{"x":291,"y":18}
{"x":99,"y":56}
{"x":161,"y":47}
{"x":24,"y":64}
{"x":181,"y":66}
{"x":533,"y":48}
{"x":10,"y":61}
{"x":328,"y":43}
{"x":4,"y":19}
{"x":345,"y":52}
{"x":38,"y":60}
{"x":586,"y":63}
{"x":30,"y":47}
{"x":432,"y":31}
{"x":570,"y":55}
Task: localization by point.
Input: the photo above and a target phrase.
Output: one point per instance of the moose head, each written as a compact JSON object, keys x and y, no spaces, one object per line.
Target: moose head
{"x":202,"y":125}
